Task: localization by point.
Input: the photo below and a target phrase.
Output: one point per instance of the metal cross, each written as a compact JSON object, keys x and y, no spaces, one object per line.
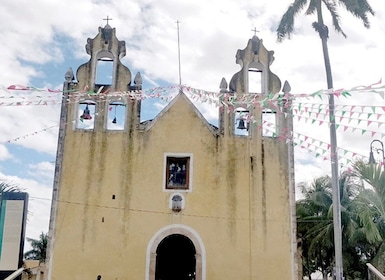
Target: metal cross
{"x":255,"y":31}
{"x":107,"y":19}
{"x":180,"y":75}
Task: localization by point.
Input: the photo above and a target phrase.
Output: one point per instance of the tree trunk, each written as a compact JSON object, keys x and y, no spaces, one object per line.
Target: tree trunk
{"x":323,"y":32}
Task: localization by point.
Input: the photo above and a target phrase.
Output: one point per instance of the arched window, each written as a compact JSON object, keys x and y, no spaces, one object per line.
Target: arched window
{"x":116,"y":116}
{"x":85,"y":115}
{"x":255,"y":80}
{"x":104,"y":72}
{"x":241,"y":122}
{"x":269,"y":123}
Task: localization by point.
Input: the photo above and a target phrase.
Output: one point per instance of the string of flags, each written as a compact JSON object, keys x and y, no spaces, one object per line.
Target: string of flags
{"x":31,"y":134}
{"x":346,"y":123}
{"x":361,"y":118}
{"x":199,"y":94}
{"x":318,"y":148}
{"x":322,"y":149}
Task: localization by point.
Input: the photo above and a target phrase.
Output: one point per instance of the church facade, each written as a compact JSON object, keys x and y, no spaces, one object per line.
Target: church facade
{"x":174,"y":197}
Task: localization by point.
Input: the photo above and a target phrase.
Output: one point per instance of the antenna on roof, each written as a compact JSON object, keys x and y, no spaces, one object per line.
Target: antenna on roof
{"x":180,"y":75}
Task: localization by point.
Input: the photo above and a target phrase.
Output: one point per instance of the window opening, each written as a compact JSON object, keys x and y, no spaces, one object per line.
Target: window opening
{"x":177,"y":173}
{"x":116,"y":116}
{"x":255,"y":80}
{"x":269,"y":126}
{"x":104,"y":71}
{"x":241,"y":122}
{"x":86,"y":115}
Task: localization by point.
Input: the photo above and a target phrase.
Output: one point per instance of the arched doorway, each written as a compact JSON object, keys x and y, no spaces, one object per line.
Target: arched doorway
{"x":181,"y":238}
{"x":175,"y":258}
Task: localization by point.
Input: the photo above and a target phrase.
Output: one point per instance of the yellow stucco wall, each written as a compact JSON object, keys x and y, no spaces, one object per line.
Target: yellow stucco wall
{"x":241,"y":212}
{"x":110,"y":209}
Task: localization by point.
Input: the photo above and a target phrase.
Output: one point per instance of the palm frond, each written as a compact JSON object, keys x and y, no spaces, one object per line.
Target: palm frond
{"x":286,"y":24}
{"x":39,"y":248}
{"x":6,"y":187}
{"x":359,"y":9}
{"x":332,"y":8}
{"x":366,"y":216}
{"x":311,"y":9}
{"x":373,"y":175}
{"x":379,"y":260}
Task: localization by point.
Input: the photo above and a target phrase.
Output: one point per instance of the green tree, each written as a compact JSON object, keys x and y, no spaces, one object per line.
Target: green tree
{"x":370,"y":205}
{"x":39,"y":248}
{"x":312,"y":212}
{"x":316,"y":232}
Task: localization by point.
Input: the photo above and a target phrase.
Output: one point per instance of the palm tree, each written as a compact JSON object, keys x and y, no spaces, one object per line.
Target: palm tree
{"x":360,"y":9}
{"x":315,"y":227}
{"x":39,"y":248}
{"x":370,"y":206}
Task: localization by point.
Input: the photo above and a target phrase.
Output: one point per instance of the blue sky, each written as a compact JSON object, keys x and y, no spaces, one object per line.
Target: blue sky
{"x":44,"y":38}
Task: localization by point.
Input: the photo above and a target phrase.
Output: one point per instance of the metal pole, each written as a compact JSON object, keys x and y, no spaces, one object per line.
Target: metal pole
{"x":373,"y":273}
{"x":180,"y":73}
{"x":335,"y":191}
{"x":15,"y":274}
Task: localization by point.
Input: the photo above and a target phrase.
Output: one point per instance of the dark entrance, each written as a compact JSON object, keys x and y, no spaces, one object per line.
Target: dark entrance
{"x":175,"y":258}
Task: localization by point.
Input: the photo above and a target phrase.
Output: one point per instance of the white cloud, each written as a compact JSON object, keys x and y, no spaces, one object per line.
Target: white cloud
{"x":47,"y":32}
{"x":4,"y":153}
{"x":36,"y":131}
{"x":43,"y":169}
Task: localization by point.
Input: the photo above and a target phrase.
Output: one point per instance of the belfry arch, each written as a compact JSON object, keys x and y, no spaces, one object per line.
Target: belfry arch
{"x":171,"y":231}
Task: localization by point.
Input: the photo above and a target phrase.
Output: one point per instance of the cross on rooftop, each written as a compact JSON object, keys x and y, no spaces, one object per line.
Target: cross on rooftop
{"x":107,"y":19}
{"x":255,"y":31}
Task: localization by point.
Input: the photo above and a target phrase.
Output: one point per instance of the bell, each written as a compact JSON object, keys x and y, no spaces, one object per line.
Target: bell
{"x":114,"y":120}
{"x":241,"y":124}
{"x":86,"y":114}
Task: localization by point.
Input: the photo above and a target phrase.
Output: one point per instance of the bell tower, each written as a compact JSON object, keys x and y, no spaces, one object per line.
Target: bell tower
{"x":99,"y":117}
{"x":254,"y":112}
{"x":247,"y":87}
{"x":104,"y":73}
{"x":106,"y":49}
